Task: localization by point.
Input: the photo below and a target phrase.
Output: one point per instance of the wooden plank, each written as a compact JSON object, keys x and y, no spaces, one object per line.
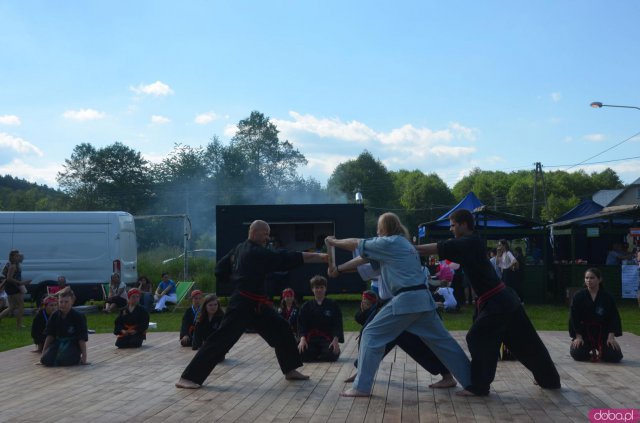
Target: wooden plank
{"x":249,"y":386}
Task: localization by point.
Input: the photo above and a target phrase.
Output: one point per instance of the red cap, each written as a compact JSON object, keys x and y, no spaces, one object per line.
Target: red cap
{"x":288,"y":292}
{"x":195,"y":292}
{"x":370,"y":295}
{"x":49,"y":300}
{"x":133,"y":291}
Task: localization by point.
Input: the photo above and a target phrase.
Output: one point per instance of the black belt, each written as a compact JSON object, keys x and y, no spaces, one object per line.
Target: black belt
{"x":410,"y":288}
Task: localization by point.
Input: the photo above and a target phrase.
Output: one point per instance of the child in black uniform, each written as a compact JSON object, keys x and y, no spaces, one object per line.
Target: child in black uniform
{"x":132,"y":323}
{"x":66,"y":331}
{"x":189,"y":319}
{"x":49,"y":306}
{"x":207,"y":320}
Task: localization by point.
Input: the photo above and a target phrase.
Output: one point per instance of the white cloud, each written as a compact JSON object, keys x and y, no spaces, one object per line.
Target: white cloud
{"x":157,"y":89}
{"x":204,"y":118}
{"x":595,"y":137}
{"x":19,"y":145}
{"x":36,"y":173}
{"x":83,"y":115}
{"x":155,"y":158}
{"x":10,"y":120}
{"x":326,"y":128}
{"x":159,"y":119}
{"x":230,"y":130}
{"x":556,"y":97}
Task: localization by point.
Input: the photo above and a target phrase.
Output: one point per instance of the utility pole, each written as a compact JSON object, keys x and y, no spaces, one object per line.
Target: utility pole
{"x":538,"y":171}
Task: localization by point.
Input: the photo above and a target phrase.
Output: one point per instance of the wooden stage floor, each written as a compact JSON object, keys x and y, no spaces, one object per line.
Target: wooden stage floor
{"x":137,"y":386}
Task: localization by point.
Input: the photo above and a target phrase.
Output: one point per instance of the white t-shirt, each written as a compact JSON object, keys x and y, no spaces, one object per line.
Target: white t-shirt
{"x":449,"y":300}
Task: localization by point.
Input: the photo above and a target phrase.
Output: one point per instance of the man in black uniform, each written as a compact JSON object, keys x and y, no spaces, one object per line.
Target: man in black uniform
{"x":247,"y":265}
{"x":499,"y":315}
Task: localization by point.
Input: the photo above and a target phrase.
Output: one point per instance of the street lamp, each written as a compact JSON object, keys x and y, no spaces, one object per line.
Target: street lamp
{"x":597,"y":105}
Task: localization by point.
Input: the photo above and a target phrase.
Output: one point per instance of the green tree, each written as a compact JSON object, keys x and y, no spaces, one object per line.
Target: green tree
{"x":111,"y":178}
{"x":271,"y":163}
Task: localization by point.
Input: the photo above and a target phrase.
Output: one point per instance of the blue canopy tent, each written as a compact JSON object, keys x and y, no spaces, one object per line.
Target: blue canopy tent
{"x":585,"y":208}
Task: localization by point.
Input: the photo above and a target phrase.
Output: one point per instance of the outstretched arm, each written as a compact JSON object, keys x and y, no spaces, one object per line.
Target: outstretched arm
{"x":315,"y":257}
{"x":427,"y":249}
{"x":349,"y":266}
{"x":345,"y":244}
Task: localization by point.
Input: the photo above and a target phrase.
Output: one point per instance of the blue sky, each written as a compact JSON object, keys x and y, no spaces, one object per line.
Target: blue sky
{"x":431,"y":85}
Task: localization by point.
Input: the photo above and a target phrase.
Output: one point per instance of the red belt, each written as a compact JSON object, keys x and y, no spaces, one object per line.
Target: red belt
{"x":490,"y":293}
{"x":319,"y":333}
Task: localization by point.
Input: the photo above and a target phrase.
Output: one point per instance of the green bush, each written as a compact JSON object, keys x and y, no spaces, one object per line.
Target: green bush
{"x":200,"y":269}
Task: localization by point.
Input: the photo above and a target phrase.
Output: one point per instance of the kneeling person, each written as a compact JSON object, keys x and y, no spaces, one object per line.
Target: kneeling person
{"x":132,"y":323}
{"x":320,"y":325}
{"x":66,"y":335}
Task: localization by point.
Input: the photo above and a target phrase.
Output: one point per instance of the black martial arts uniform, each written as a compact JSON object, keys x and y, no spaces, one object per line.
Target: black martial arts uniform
{"x":38,"y":326}
{"x":188,"y":325}
{"x":247,"y":266}
{"x":499,"y":317}
{"x":138,"y":320}
{"x":203,"y":329}
{"x":594,"y":320}
{"x":319,"y":324}
{"x":68,"y":331}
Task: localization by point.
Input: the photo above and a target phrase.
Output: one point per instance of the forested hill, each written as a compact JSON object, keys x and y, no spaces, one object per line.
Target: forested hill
{"x":22,"y":195}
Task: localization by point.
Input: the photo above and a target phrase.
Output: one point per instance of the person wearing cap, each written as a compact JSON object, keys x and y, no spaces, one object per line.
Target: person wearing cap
{"x":289,"y":310}
{"x":132,"y":323}
{"x":247,"y":266}
{"x":189,"y":319}
{"x":320,"y":325}
{"x":48,"y":307}
{"x":66,"y":334}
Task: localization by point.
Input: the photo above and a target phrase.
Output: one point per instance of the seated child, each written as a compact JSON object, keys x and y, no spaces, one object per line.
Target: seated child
{"x":49,"y":306}
{"x":66,"y":334}
{"x":289,"y":309}
{"x":132,"y":323}
{"x":189,"y":318}
{"x":446,"y":297}
{"x":207,"y":321}
{"x":320,"y":325}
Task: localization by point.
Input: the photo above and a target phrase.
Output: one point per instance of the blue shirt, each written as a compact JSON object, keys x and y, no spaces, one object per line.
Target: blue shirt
{"x":400,"y":268}
{"x":163,"y":285}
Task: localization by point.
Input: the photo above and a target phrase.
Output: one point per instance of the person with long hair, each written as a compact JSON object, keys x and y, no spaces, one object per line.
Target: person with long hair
{"x":498,"y":317}
{"x":208,"y":320}
{"x":67,"y":336}
{"x":289,"y":309}
{"x":132,"y":322}
{"x":15,"y":287}
{"x":594,"y":322}
{"x":146,"y":292}
{"x":410,"y":309}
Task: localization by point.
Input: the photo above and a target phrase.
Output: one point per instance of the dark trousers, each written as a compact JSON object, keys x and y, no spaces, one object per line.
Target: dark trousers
{"x":242,"y":314}
{"x":61,"y":352}
{"x":520,"y":337}
{"x":318,"y":350}
{"x":130,"y":341}
{"x":583,"y":352}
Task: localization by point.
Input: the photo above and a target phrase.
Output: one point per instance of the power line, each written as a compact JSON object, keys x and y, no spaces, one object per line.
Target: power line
{"x":604,"y":151}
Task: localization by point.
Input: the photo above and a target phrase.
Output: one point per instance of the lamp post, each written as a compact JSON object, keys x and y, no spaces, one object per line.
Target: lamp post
{"x":598,"y":105}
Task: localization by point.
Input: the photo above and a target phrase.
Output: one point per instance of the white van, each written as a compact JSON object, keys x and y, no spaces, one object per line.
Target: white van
{"x":86,"y":247}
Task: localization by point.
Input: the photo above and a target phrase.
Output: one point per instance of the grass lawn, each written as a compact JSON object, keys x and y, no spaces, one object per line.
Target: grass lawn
{"x":544,"y":317}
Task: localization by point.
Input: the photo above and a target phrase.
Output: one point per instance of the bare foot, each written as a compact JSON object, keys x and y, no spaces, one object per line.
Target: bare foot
{"x":295,"y":375}
{"x":186,"y":384}
{"x":465,"y":393}
{"x":354,"y":393}
{"x":446,"y":382}
{"x":351,"y":378}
